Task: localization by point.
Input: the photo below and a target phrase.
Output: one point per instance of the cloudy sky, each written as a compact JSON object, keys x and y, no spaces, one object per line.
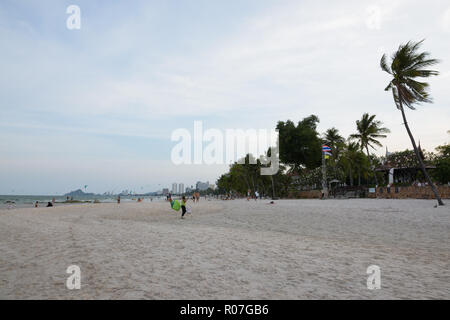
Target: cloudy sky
{"x":97,"y":106}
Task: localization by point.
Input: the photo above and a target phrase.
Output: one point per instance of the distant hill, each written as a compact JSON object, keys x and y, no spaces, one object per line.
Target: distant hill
{"x":78,"y":193}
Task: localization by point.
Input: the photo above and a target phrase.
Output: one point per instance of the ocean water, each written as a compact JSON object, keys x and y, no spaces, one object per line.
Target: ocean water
{"x":23,"y":201}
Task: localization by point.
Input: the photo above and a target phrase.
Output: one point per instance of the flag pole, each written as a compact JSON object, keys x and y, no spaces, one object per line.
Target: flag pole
{"x":324,"y":177}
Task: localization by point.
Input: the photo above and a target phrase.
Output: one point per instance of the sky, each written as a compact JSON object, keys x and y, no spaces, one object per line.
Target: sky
{"x":97,"y":105}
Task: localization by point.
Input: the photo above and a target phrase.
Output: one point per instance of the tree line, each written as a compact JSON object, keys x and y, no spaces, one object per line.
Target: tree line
{"x":351,"y":162}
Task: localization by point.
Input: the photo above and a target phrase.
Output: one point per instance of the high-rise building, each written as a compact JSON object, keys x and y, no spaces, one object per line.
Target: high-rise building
{"x":174,"y":188}
{"x":181,"y":188}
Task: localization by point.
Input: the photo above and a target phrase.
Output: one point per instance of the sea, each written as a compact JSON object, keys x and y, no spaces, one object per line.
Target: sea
{"x":24,"y":201}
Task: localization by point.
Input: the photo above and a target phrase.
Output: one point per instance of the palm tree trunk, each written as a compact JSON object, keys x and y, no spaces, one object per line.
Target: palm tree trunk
{"x":246,"y":182}
{"x":263,"y":187}
{"x":273,"y":188}
{"x":419,"y":158}
{"x":351,"y":177}
{"x":371,"y":166}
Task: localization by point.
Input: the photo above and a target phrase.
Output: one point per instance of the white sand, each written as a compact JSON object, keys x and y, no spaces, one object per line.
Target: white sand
{"x":299,"y":249}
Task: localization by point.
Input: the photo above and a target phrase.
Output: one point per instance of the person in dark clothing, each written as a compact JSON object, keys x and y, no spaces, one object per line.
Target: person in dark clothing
{"x":49,"y":204}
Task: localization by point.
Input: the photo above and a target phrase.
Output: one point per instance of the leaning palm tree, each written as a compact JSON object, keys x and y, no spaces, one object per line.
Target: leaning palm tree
{"x":407,"y":64}
{"x":369,"y":130}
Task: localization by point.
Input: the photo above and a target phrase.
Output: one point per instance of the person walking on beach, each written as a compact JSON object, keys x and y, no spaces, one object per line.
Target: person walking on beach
{"x":118,"y":200}
{"x":183,"y":207}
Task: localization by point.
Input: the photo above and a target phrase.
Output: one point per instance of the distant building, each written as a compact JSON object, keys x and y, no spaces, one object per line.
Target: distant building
{"x":202,"y":185}
{"x":395,"y":169}
{"x":174,"y":188}
{"x":165,"y":191}
{"x":189,"y":189}
{"x":181,"y":188}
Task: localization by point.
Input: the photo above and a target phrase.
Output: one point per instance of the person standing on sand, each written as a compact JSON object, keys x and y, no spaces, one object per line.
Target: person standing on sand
{"x":36,"y":204}
{"x":118,"y":200}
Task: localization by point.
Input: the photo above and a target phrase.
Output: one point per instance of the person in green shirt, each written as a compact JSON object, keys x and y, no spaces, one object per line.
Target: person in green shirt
{"x":183,"y":206}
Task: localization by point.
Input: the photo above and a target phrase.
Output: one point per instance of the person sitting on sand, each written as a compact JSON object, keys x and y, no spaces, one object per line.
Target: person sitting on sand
{"x":49,"y":204}
{"x":36,"y":204}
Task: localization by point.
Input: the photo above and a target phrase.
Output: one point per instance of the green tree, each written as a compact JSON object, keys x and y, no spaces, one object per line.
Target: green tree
{"x":442,"y":162}
{"x":334,"y":140}
{"x":337,"y":143}
{"x":352,"y":160}
{"x":406,"y":65}
{"x":300,"y":146}
{"x":368,"y":131}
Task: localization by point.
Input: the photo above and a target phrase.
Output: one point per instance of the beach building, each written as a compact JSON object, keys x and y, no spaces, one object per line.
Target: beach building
{"x":174,"y":188}
{"x":402,"y":167}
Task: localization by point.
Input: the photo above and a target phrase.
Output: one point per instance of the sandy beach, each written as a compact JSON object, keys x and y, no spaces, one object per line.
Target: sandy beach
{"x":294,"y":249}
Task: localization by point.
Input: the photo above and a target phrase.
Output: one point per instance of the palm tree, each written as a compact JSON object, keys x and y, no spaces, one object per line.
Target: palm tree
{"x":351,"y":157}
{"x":334,"y":140}
{"x":369,"y":130}
{"x":407,"y":64}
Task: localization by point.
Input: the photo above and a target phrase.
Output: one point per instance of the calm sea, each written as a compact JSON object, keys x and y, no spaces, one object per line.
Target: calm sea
{"x":15,"y":201}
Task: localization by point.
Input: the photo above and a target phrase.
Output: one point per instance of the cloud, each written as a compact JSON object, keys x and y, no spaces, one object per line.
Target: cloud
{"x":133,"y":74}
{"x":373,"y":19}
{"x":446,"y":20}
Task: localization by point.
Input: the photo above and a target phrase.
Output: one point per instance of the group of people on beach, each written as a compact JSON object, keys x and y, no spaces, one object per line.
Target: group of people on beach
{"x":254,"y":195}
{"x":49,"y":203}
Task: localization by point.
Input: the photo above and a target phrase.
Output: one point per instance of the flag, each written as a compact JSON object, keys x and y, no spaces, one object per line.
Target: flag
{"x":327,"y":156}
{"x":326,"y":148}
{"x":327,"y":153}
